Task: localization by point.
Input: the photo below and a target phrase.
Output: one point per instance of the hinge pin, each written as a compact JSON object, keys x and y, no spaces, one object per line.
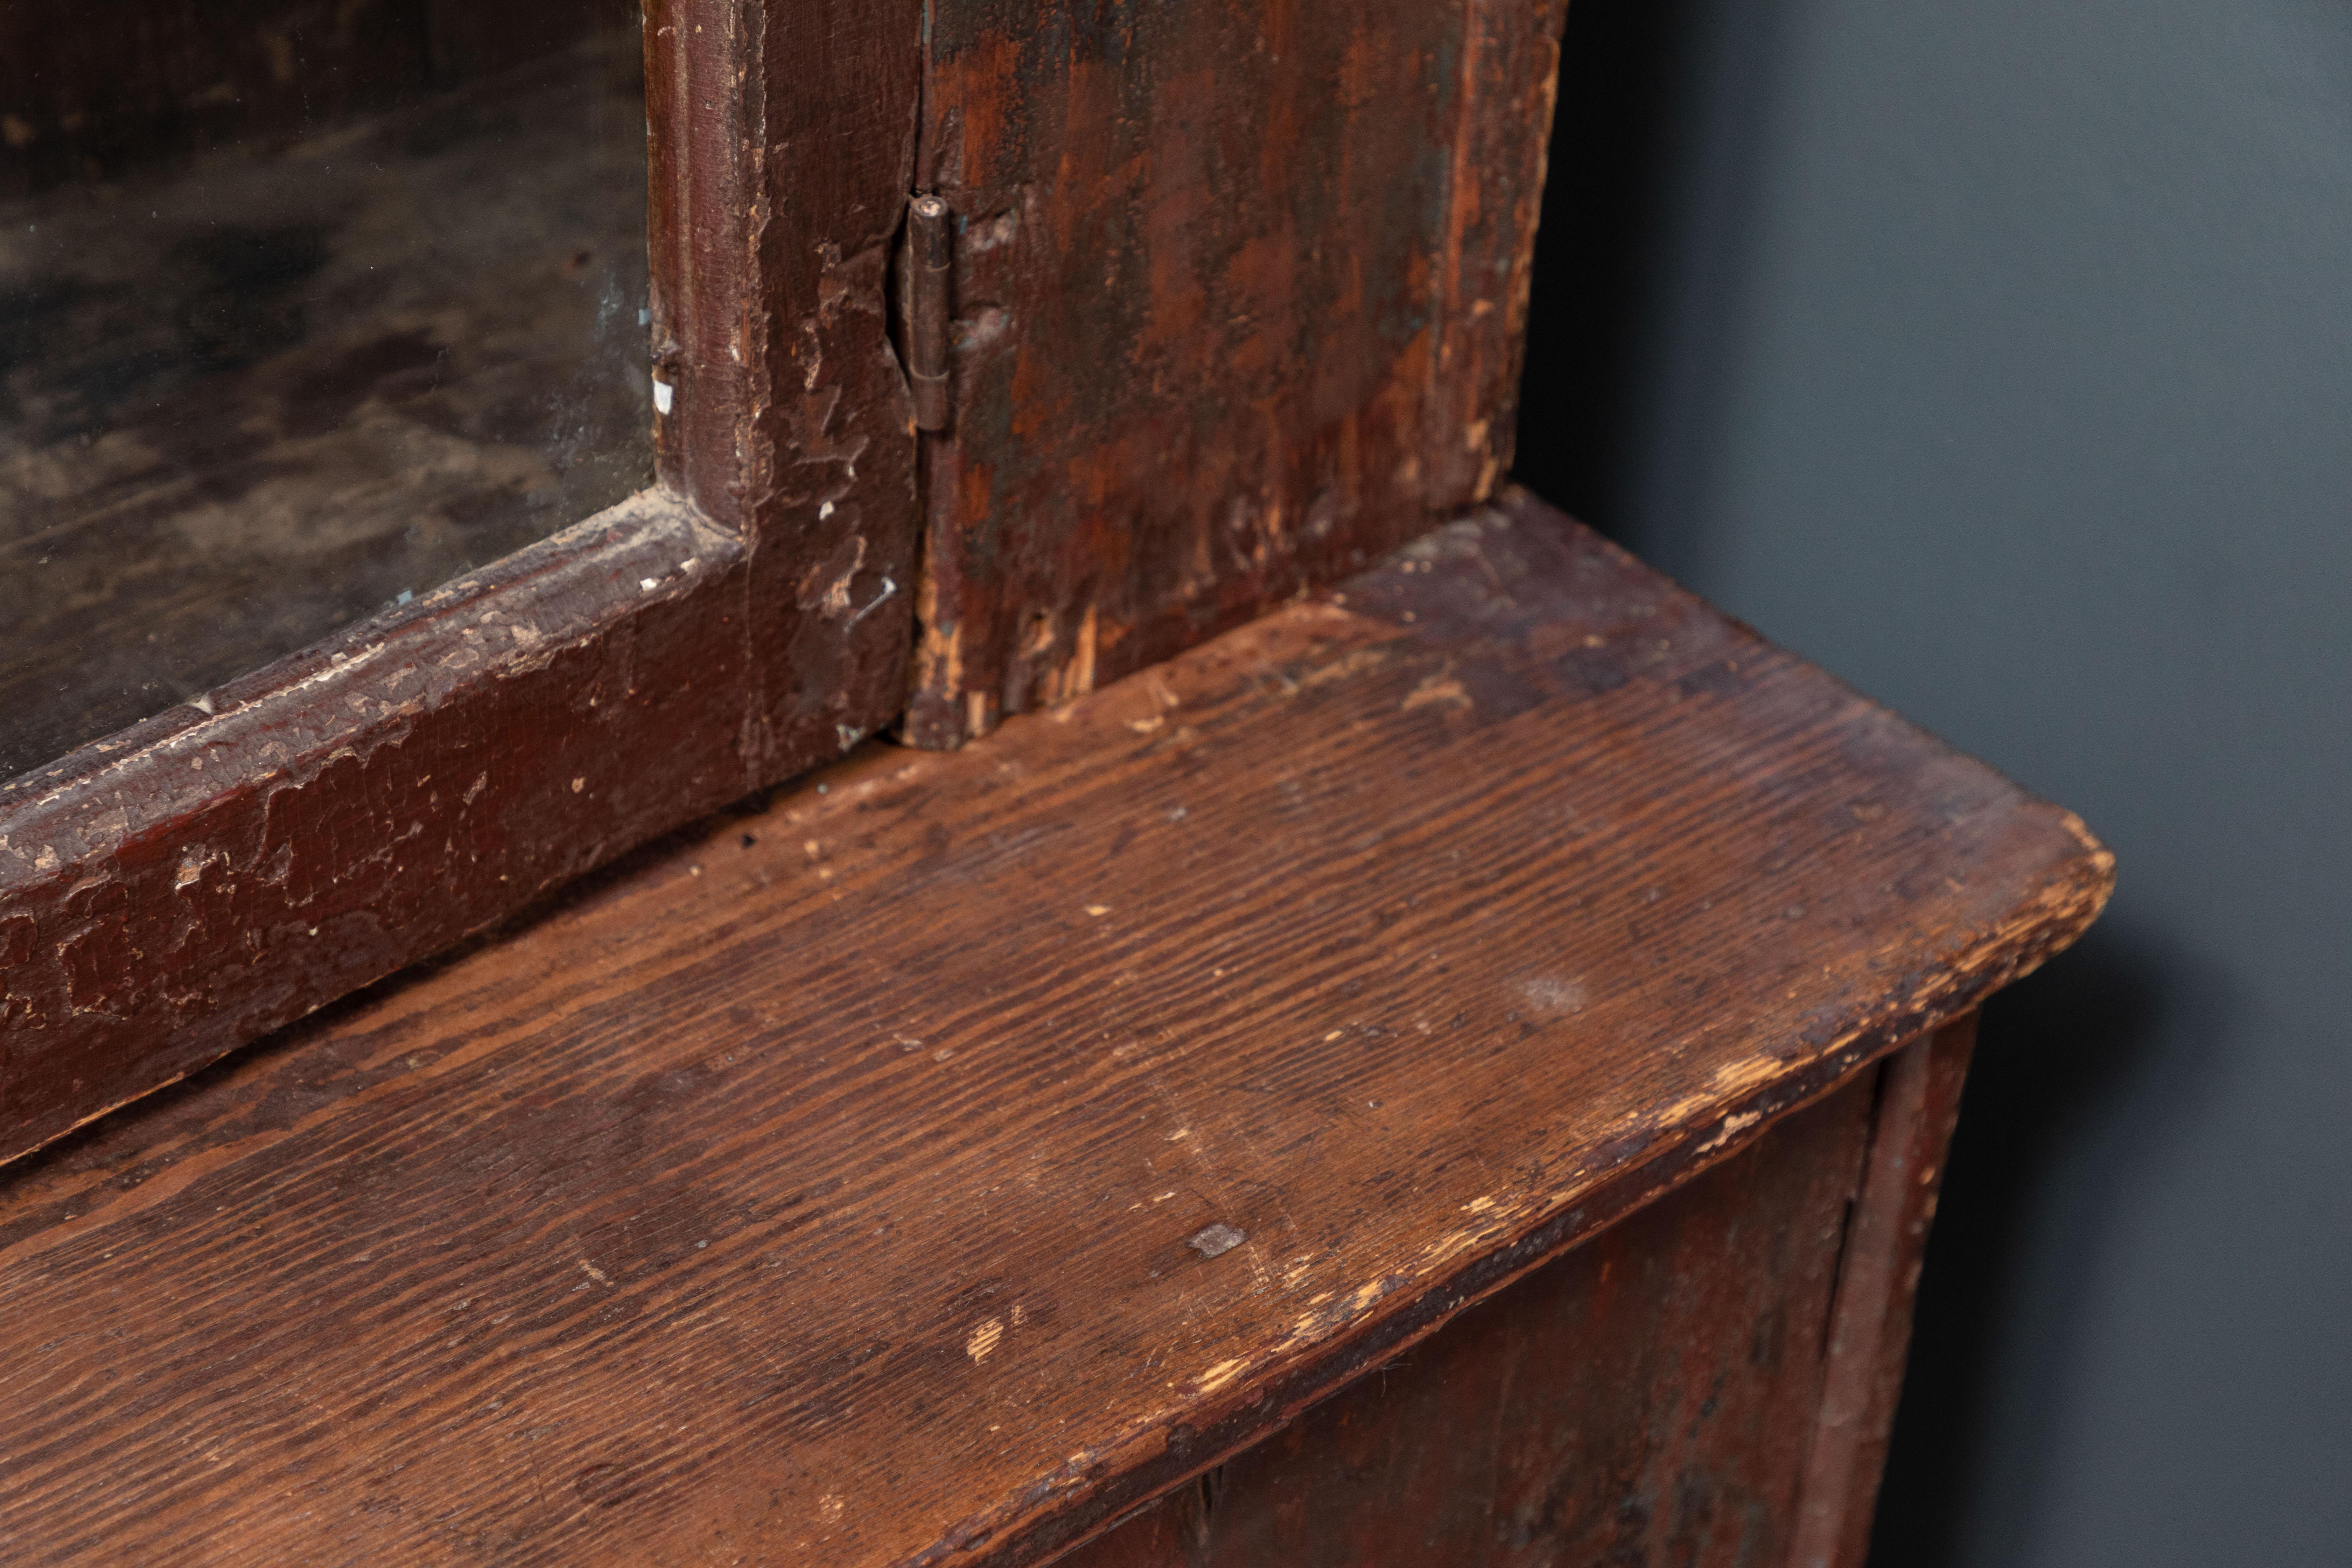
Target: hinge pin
{"x":931,"y":241}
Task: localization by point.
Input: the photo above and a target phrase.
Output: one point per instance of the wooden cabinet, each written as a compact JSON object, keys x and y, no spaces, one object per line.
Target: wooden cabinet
{"x":1349,"y":1022}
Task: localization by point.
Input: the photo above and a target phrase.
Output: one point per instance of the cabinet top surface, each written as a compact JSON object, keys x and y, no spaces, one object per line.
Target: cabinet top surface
{"x":962,"y":1140}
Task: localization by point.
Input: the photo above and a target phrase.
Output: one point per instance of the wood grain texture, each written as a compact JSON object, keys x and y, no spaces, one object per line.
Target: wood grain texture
{"x":830,"y":1178}
{"x":1646,"y":1398}
{"x":234,"y":862}
{"x":1239,"y":296}
{"x":1871,"y":1332}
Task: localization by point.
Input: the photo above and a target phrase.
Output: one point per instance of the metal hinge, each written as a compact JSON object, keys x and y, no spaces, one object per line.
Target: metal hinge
{"x":930,"y":250}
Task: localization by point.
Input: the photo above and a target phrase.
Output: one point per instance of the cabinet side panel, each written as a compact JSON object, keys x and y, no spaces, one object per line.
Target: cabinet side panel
{"x":1870,"y":1334}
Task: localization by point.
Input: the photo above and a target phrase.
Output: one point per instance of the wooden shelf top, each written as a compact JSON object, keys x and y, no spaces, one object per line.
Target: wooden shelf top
{"x":936,"y":1163}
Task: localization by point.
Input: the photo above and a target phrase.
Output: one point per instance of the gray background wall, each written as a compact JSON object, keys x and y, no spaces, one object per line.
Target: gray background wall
{"x":2000,"y":357}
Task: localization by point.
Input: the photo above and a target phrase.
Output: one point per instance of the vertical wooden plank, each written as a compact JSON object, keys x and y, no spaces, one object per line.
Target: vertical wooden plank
{"x":1646,"y":1398}
{"x":830,"y":480}
{"x":1234,"y":314}
{"x":1510,"y":80}
{"x":783,"y":151}
{"x":1870,"y":1330}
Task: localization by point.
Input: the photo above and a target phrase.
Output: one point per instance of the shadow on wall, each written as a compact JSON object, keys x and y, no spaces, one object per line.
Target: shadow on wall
{"x":2083,"y":1062}
{"x":1602,"y":229}
{"x":1642,"y":218}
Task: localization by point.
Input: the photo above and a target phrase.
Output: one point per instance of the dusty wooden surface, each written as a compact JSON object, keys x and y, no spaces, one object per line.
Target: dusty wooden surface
{"x":831,"y":1177}
{"x":231,"y":863}
{"x":1239,"y":298}
{"x":250,"y":398}
{"x":1645,"y":1399}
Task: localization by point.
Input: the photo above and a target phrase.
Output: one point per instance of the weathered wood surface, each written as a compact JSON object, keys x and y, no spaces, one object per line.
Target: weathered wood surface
{"x":827,"y":443}
{"x":1647,"y":1399}
{"x":829,"y":1178}
{"x":230,"y":864}
{"x":248,"y":401}
{"x":1240,"y":294}
{"x":1870,"y":1336}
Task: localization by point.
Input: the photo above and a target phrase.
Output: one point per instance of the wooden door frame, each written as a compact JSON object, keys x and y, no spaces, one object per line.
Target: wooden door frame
{"x":228,"y":866}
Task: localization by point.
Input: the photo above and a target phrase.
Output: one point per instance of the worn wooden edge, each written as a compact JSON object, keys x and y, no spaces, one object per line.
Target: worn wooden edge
{"x":1870,"y":1330}
{"x":1104,"y":1484}
{"x":1510,"y":92}
{"x":227,"y":866}
{"x":1101,"y":1487}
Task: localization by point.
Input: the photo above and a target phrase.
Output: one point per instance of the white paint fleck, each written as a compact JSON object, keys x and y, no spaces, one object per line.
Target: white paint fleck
{"x":202,"y":702}
{"x":889,"y":588}
{"x":1552,"y":999}
{"x":824,"y":511}
{"x":665,"y":395}
{"x":648,"y":584}
{"x":1215,"y":1240}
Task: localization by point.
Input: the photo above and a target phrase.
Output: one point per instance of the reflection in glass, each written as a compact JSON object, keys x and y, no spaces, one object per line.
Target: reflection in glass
{"x":305,"y":306}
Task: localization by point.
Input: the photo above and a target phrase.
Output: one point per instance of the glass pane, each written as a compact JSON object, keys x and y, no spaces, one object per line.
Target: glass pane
{"x":306,"y":305}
